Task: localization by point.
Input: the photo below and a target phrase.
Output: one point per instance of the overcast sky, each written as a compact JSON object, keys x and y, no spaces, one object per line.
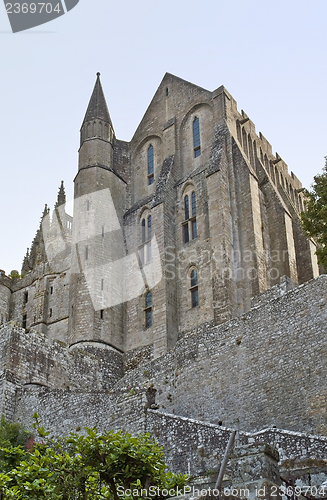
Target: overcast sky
{"x":270,"y":55}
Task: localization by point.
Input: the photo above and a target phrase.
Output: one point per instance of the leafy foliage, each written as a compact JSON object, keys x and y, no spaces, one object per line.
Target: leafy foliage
{"x":12,"y":434}
{"x":91,"y":466}
{"x":13,"y":438}
{"x":314,"y":219}
{"x":14,"y":275}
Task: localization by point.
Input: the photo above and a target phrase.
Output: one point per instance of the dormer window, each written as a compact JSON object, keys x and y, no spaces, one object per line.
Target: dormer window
{"x":150,"y":165}
{"x":196,"y":137}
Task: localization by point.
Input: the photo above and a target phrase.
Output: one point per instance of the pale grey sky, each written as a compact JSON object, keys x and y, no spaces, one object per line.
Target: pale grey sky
{"x":271,"y":56}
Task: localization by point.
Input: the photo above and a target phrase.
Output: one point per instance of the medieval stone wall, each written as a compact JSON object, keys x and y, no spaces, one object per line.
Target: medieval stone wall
{"x":42,"y":297}
{"x":265,"y":368}
{"x":197,"y":447}
{"x":33,"y":359}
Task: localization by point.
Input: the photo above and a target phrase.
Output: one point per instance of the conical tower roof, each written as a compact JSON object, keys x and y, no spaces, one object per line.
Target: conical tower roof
{"x":97,"y":109}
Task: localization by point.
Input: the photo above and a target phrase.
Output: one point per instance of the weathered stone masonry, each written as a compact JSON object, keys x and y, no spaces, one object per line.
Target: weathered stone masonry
{"x":246,"y":340}
{"x":213,"y":375}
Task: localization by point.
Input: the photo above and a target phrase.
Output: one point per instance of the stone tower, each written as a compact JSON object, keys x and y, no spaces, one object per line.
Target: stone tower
{"x":99,"y":202}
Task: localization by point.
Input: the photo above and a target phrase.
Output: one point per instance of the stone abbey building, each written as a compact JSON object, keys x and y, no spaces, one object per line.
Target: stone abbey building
{"x":196,"y":177}
{"x":168,"y":282}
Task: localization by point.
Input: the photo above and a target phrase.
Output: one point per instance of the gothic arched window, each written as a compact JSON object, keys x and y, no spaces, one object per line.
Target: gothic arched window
{"x":189,"y":224}
{"x":196,"y":137}
{"x":145,"y":248}
{"x":148,"y":310}
{"x":187,"y":207}
{"x":150,"y":165}
{"x":194,"y":288}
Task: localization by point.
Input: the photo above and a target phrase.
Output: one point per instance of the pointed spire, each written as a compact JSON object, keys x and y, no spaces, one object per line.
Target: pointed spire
{"x":45,"y":212}
{"x":26,"y":263}
{"x":97,"y":108}
{"x":61,"y":200}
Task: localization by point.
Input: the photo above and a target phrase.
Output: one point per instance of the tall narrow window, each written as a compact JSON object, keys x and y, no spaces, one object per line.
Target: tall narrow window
{"x":196,"y":137}
{"x":25,"y":297}
{"x":150,"y":165}
{"x":24,"y":321}
{"x":87,"y":205}
{"x":193,"y":220}
{"x":145,"y":249}
{"x":86,"y":252}
{"x":187,"y":207}
{"x":190,"y":230}
{"x":186,"y":236}
{"x":148,"y":310}
{"x":194,"y":288}
{"x":148,"y":246}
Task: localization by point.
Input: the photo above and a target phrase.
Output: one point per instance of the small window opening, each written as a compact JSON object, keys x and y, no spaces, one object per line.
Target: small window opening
{"x":102,"y":231}
{"x":50,"y":313}
{"x":189,"y":225}
{"x":150,"y":165}
{"x":25,"y":297}
{"x":186,"y":236}
{"x":51,"y":290}
{"x":196,"y":137}
{"x":194,"y":289}
{"x":101,"y":314}
{"x":87,"y":205}
{"x":24,"y":321}
{"x":102,"y":283}
{"x":148,"y":310}
{"x":86,"y":253}
{"x":146,"y":250}
{"x":186,"y":207}
{"x":167,"y":91}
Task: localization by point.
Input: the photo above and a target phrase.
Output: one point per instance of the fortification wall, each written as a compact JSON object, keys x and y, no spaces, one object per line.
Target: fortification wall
{"x":196,"y":447}
{"x":33,"y":359}
{"x":64,"y":411}
{"x":190,"y":446}
{"x":265,"y":368}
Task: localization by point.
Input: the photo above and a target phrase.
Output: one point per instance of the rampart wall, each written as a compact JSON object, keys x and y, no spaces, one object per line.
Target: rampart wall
{"x":197,"y":447}
{"x":265,"y":368}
